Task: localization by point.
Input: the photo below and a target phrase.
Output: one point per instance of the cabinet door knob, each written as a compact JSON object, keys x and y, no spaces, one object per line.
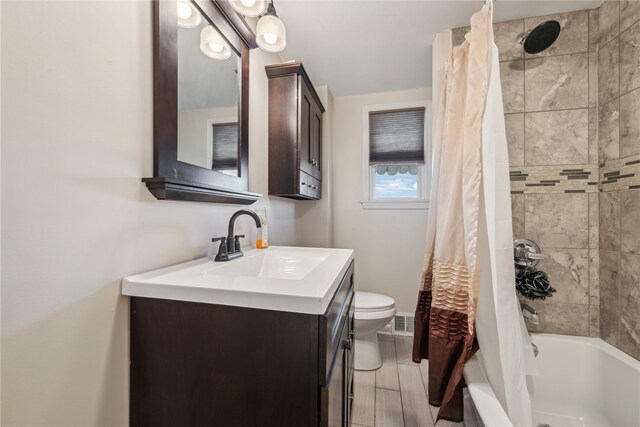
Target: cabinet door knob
{"x":352,"y":396}
{"x":347,"y":344}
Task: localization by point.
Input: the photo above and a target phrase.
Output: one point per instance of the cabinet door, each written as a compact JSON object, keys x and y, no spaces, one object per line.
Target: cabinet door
{"x":305,"y":113}
{"x":316,"y":141}
{"x":336,"y":399}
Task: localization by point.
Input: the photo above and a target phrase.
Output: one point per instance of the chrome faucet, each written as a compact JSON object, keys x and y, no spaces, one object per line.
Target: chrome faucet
{"x":530,"y":314}
{"x":230,"y":246}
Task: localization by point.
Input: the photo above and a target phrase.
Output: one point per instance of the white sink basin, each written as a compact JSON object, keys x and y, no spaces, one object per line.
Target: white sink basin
{"x":301,"y":280}
{"x":277,"y":264}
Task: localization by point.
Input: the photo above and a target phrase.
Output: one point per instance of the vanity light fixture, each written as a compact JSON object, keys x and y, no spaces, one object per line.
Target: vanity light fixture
{"x":252,"y":8}
{"x":271,"y":34}
{"x":213,"y":44}
{"x":188,"y":16}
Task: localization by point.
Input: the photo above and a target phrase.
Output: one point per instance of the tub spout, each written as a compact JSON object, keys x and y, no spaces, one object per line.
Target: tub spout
{"x":530,"y":314}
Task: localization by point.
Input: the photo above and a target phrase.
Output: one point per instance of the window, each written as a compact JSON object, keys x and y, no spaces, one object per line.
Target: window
{"x":224,"y":156}
{"x":396,"y":156}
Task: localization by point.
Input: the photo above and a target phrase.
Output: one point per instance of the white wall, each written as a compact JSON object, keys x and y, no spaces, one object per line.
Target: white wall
{"x":195,"y":134}
{"x":389,"y":244}
{"x":77,"y":139}
{"x":315,"y":224}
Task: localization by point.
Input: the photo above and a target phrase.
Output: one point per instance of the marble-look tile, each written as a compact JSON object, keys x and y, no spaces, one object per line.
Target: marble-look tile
{"x":610,"y":281}
{"x":557,"y":137}
{"x":630,"y":59}
{"x":629,"y":340}
{"x":593,"y":135}
{"x":608,"y":66}
{"x":593,"y":29}
{"x":594,"y":220}
{"x":568,"y":271}
{"x":594,"y":277}
{"x":512,"y":77}
{"x":609,"y":131}
{"x":457,"y":35}
{"x":574,"y":33}
{"x":557,"y":318}
{"x":630,"y":222}
{"x":514,"y":124}
{"x":594,"y":321}
{"x":609,"y":223}
{"x":609,"y":21}
{"x":594,"y":293}
{"x":593,"y":79}
{"x":557,"y":220}
{"x":630,"y":124}
{"x":517,"y":214}
{"x":609,"y":326}
{"x":557,"y":82}
{"x":506,"y":38}
{"x":629,"y":13}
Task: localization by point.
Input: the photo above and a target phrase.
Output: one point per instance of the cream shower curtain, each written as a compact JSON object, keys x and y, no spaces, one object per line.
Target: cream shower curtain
{"x":468,"y":277}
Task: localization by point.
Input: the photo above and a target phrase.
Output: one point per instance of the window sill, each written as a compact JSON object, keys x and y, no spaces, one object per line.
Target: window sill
{"x":395,"y":204}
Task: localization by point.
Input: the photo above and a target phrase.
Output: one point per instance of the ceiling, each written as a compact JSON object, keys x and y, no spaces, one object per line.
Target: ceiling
{"x":204,"y":82}
{"x":365,"y":46}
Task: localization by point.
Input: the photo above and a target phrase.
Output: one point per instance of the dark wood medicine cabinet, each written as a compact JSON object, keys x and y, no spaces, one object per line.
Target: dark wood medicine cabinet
{"x":173,"y":178}
{"x":295,"y":133}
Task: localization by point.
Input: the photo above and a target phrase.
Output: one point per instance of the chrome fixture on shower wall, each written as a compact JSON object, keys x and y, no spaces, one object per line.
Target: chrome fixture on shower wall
{"x":541,"y":37}
{"x":527,"y":253}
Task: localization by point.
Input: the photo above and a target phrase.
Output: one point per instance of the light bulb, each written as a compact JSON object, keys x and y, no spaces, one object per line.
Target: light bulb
{"x":248,"y":3}
{"x":184,"y":10}
{"x":216,"y":47}
{"x":270,"y":38}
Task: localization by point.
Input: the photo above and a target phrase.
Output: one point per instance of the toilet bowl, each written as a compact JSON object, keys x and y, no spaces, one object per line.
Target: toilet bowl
{"x":372,"y":313}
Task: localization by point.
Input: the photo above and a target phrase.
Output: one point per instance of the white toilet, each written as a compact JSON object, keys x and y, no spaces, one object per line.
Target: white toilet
{"x":372,"y":313}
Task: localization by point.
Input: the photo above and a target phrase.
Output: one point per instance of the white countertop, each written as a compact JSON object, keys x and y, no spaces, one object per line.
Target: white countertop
{"x":299,"y":280}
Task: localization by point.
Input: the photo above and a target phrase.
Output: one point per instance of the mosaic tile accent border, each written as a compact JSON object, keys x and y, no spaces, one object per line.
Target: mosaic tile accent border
{"x":620,"y":174}
{"x":554,"y":179}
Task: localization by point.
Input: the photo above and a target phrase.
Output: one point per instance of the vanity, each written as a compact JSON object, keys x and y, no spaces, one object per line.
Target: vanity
{"x":264,"y":340}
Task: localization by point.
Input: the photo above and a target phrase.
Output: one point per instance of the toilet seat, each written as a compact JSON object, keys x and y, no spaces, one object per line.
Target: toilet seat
{"x":366,"y":302}
{"x":370,"y":306}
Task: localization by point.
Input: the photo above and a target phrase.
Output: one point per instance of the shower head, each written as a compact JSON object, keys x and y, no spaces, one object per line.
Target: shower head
{"x":541,"y":37}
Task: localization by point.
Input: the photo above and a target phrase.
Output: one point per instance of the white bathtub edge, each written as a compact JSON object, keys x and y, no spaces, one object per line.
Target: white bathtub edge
{"x":487,"y":404}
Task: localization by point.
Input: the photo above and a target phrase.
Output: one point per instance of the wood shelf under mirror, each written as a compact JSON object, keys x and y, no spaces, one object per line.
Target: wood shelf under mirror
{"x":187,"y":108}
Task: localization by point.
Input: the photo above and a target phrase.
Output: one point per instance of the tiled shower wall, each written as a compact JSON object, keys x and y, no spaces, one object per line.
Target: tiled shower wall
{"x":619,"y":157}
{"x":574,"y":186}
{"x":550,"y":102}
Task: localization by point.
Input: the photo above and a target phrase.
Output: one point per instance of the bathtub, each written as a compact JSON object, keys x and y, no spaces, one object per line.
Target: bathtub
{"x":582,"y":382}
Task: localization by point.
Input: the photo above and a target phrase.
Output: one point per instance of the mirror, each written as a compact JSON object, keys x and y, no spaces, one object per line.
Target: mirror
{"x":208,"y":102}
{"x":201,"y":102}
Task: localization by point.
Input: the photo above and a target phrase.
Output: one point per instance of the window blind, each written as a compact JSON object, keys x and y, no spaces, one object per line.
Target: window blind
{"x":396,"y":136}
{"x":225,"y":146}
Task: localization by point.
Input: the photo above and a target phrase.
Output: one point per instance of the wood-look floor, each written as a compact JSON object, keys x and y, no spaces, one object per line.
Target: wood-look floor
{"x":396,"y":394}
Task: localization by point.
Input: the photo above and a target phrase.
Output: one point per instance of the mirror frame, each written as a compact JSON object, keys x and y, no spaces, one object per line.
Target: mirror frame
{"x":173,"y":179}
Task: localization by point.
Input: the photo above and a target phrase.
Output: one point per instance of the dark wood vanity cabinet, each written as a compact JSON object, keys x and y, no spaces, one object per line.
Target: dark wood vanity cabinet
{"x":195,"y":364}
{"x":295,"y":133}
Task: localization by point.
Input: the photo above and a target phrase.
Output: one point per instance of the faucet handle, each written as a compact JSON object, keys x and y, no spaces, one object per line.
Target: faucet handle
{"x":223,"y":254}
{"x":236,"y":242}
